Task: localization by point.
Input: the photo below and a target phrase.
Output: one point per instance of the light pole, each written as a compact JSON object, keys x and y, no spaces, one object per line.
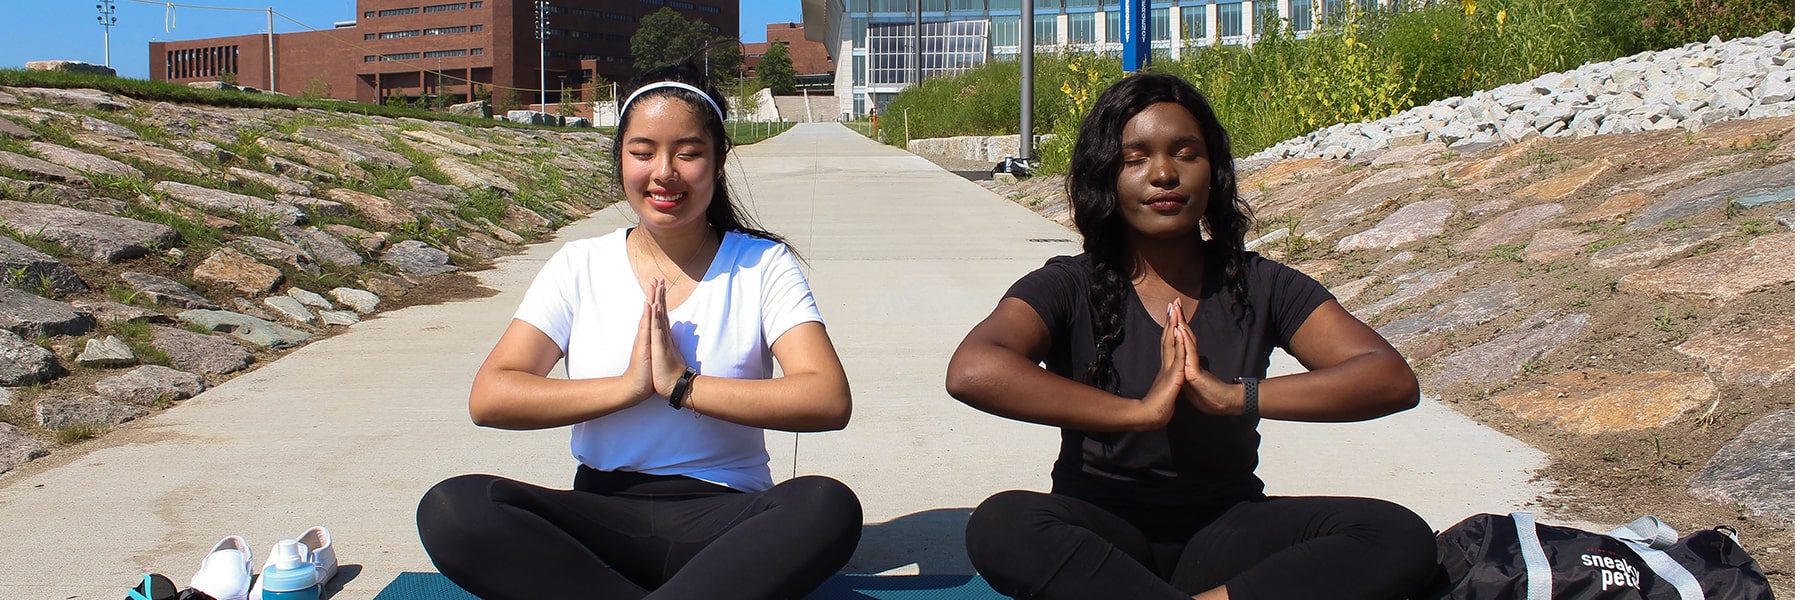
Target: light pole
{"x":107,"y":19}
{"x":543,"y":32}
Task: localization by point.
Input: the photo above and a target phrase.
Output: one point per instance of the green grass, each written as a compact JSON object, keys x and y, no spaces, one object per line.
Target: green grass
{"x":78,"y":432}
{"x":744,"y":133}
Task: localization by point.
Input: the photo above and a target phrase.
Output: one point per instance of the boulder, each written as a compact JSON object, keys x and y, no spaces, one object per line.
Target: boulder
{"x":163,"y":290}
{"x":150,"y":384}
{"x":291,"y":309}
{"x":41,"y":169}
{"x":230,"y":202}
{"x":375,"y":209}
{"x":32,"y":315}
{"x":472,"y":109}
{"x":473,"y":177}
{"x":360,"y":301}
{"x":25,"y":363}
{"x":1754,"y":470}
{"x":1593,"y":402}
{"x":247,"y":328}
{"x":228,"y":268}
{"x":70,"y":66}
{"x":1719,"y":277}
{"x":91,"y":164}
{"x":17,"y":448}
{"x":417,"y":258}
{"x":198,"y":352}
{"x":23,"y":267}
{"x":325,"y":248}
{"x":106,"y":352}
{"x":87,"y":98}
{"x":62,"y":412}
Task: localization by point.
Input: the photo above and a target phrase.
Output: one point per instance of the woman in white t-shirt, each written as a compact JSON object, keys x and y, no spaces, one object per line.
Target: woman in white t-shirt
{"x":669,"y":331}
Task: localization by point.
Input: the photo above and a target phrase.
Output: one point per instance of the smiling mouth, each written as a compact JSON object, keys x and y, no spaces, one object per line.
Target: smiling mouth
{"x":666,"y":197}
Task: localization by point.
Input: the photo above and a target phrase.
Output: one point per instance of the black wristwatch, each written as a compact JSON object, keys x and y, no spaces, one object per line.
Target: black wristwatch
{"x":1250,"y":397}
{"x":683,"y":386}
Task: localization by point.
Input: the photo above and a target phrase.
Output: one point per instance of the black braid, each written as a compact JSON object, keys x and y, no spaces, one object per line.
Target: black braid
{"x":1106,"y":302}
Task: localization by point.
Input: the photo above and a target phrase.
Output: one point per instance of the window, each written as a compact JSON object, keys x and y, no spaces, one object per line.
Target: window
{"x":445,"y":7}
{"x":582,"y":12}
{"x":707,"y":8}
{"x":1043,"y":30}
{"x":966,"y":5}
{"x":369,"y":15}
{"x":1112,"y":27}
{"x":678,"y":4}
{"x":1264,"y":14}
{"x":475,"y":27}
{"x":446,"y":53}
{"x":1193,"y":23}
{"x":859,"y":32}
{"x":1081,"y":28}
{"x":859,"y":65}
{"x":400,"y":56}
{"x":395,"y":12}
{"x":477,"y":51}
{"x":1005,"y":31}
{"x":474,"y":5}
{"x":858,"y":6}
{"x":368,"y":36}
{"x":390,"y":35}
{"x":933,"y":6}
{"x":944,"y":48}
{"x":1300,"y":14}
{"x":1231,"y":19}
{"x":893,"y":6}
{"x":1159,"y":24}
{"x":369,"y":58}
{"x":1003,"y":4}
{"x":446,"y":30}
{"x":1082,"y":3}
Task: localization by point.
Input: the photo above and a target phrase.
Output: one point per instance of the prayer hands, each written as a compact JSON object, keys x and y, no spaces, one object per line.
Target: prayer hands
{"x":656,"y":362}
{"x":1205,"y":391}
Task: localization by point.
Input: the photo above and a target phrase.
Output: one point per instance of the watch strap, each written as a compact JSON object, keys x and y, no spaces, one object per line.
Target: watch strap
{"x":1251,"y":397}
{"x":683,"y":387}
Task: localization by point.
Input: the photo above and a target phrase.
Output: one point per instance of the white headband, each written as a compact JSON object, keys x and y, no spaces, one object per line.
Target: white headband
{"x":671,"y":84}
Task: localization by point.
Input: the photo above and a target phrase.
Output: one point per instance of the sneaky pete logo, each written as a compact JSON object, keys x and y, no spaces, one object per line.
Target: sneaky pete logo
{"x":1614,"y":571}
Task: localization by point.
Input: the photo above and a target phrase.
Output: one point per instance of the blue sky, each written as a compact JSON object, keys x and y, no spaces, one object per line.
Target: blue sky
{"x":70,"y":30}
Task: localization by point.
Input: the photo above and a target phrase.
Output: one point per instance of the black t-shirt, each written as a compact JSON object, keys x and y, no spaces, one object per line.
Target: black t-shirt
{"x":1198,"y":463}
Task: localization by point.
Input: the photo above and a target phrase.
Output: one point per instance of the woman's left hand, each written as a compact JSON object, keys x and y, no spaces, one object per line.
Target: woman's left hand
{"x":666,"y":362}
{"x":1205,"y":391}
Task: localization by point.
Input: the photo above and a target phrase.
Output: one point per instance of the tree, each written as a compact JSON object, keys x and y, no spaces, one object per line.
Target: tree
{"x":665,"y":38}
{"x":776,"y":71}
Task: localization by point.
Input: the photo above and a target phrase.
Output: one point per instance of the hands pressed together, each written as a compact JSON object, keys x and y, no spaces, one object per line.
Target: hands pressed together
{"x":1182,"y":377}
{"x":656,"y":362}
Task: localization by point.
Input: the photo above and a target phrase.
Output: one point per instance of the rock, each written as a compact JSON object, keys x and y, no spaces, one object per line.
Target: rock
{"x":163,"y":290}
{"x":376,"y":209}
{"x":266,"y":249}
{"x":1566,"y":184}
{"x":1737,"y":350}
{"x":98,"y":237}
{"x":316,"y":206}
{"x":107,"y":128}
{"x":251,"y":308}
{"x":1596,"y":402}
{"x":1719,"y":277}
{"x":388,"y":286}
{"x":1655,"y":249}
{"x":91,"y":99}
{"x":476,"y":248}
{"x":308,"y":298}
{"x":1614,"y":207}
{"x":247,"y":328}
{"x":519,"y":218}
{"x":1551,"y":245}
{"x":503,"y":233}
{"x":1413,"y":222}
{"x":105,"y":312}
{"x":1754,"y":470}
{"x":413,"y":256}
{"x":326,"y":162}
{"x":57,"y":412}
{"x":339,"y":317}
{"x":290,"y":309}
{"x":91,"y":164}
{"x":293,"y":169}
{"x":1759,"y":199}
{"x":1407,"y":292}
{"x":237,"y":204}
{"x":40,"y":169}
{"x":355,"y":150}
{"x":17,"y":448}
{"x":1508,"y":226}
{"x":146,"y":152}
{"x":419,"y":201}
{"x":279,"y":183}
{"x":198,"y":352}
{"x":470,"y":176}
{"x":441,"y":142}
{"x":360,"y":301}
{"x":1499,"y":359}
{"x":25,"y":363}
{"x":23,"y":267}
{"x":13,"y":130}
{"x":108,"y":352}
{"x":436,"y":190}
{"x":472,"y":109}
{"x":1695,"y":200}
{"x":1477,"y":307}
{"x":149,"y":385}
{"x":367,"y":240}
{"x":324,"y":248}
{"x":32,"y":315}
{"x":70,"y":66}
{"x":228,"y":268}
{"x":208,"y":150}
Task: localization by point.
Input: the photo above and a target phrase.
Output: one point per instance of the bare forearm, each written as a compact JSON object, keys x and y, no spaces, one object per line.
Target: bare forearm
{"x":1003,"y":383}
{"x":1361,"y":388}
{"x":507,"y":399}
{"x":792,"y":402}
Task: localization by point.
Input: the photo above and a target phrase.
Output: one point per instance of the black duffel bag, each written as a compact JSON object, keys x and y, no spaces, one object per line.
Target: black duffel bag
{"x":1483,"y":558}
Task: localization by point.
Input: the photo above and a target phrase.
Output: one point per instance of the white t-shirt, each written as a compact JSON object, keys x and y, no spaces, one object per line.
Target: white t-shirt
{"x":588,"y":300}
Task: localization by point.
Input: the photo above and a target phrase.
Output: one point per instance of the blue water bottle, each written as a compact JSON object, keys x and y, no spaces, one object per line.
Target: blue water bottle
{"x":291,"y":576}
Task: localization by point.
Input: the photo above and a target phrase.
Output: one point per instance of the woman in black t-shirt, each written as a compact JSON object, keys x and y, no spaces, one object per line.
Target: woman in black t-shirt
{"x":1154,"y":342}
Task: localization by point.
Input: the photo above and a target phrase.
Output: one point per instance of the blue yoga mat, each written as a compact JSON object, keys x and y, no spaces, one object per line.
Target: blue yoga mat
{"x":432,"y":586}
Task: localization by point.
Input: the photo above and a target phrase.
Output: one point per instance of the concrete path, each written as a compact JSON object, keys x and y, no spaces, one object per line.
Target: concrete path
{"x":904,"y":258}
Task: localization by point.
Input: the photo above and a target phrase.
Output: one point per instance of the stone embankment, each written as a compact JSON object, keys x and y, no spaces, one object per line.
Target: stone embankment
{"x":1600,"y":263}
{"x":151,"y":250}
{"x":1680,"y":88}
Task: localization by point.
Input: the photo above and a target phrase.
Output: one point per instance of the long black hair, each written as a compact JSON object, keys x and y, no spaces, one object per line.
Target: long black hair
{"x":1093,"y":181}
{"x":722,"y":214}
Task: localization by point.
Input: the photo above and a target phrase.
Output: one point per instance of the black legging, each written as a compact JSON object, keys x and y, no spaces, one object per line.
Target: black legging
{"x":1036,"y":545}
{"x":629,"y":535}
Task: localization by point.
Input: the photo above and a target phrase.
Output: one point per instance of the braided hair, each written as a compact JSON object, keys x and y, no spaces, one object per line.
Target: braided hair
{"x":1093,"y":193}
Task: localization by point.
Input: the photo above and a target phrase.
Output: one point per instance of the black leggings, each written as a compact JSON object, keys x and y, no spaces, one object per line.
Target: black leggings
{"x":1036,"y":545}
{"x":629,"y":535}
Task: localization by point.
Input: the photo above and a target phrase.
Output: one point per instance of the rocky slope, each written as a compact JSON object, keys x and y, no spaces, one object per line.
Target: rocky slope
{"x":151,"y":250}
{"x":1623,"y":301}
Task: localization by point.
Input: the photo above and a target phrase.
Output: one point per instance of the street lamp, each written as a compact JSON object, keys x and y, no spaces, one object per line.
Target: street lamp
{"x":107,"y":20}
{"x":543,"y":32}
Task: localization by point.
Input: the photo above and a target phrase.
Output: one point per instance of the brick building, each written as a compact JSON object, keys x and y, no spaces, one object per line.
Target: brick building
{"x":425,"y":47}
{"x":812,"y":62}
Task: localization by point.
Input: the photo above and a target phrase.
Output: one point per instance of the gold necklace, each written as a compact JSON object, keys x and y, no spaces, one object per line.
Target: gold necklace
{"x":667,"y":280}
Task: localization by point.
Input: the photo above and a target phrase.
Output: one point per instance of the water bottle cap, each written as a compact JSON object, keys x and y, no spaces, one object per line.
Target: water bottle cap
{"x":290,"y":554}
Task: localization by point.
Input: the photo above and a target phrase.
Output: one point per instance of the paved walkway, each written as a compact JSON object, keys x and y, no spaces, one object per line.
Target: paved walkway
{"x":904,"y":258}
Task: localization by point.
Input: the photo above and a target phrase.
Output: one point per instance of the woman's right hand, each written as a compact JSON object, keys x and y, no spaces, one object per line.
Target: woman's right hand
{"x":639,"y":373}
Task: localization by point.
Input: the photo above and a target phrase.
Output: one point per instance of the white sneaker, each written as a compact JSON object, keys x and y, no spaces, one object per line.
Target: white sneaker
{"x":324,"y":558}
{"x":225,"y":574}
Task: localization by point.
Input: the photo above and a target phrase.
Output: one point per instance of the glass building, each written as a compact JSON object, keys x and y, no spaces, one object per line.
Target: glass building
{"x":953,"y":35}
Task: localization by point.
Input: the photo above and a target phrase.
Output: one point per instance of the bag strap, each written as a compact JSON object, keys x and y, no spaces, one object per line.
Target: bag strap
{"x":1537,"y":565}
{"x":1648,"y":536}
